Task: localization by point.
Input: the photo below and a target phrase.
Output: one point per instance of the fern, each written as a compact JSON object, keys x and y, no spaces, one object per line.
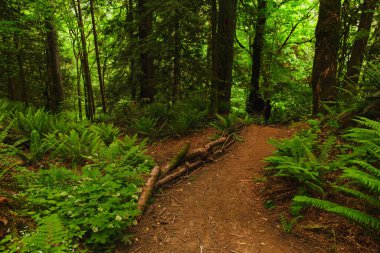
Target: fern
{"x":368,"y":167}
{"x":372,"y":124}
{"x":50,"y":236}
{"x":373,"y":201}
{"x":107,"y":132}
{"x":34,"y":120}
{"x":76,"y":146}
{"x":326,"y":148}
{"x":38,"y":147}
{"x":366,"y":180}
{"x":145,"y":126}
{"x":349,"y":213}
{"x":4,"y":133}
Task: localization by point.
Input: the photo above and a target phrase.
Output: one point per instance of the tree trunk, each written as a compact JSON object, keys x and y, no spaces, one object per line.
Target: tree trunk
{"x":225,"y":52}
{"x":90,"y":111}
{"x":97,"y":54}
{"x":54,"y":64}
{"x":257,"y":48}
{"x":327,"y":34}
{"x":146,"y":77}
{"x":360,"y":44}
{"x":176,"y":58}
{"x":214,"y":85}
{"x":22,"y":93}
{"x":133,"y":64}
{"x":258,"y":45}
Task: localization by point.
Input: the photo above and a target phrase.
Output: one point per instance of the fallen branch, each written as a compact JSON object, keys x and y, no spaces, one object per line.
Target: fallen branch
{"x":203,"y":152}
{"x":175,"y":160}
{"x":148,"y":189}
{"x":178,"y":173}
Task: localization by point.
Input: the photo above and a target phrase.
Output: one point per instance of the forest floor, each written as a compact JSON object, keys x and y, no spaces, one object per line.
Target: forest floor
{"x":220,"y":207}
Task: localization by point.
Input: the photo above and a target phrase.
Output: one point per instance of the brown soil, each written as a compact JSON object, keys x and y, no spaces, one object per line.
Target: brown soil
{"x":219,"y":208}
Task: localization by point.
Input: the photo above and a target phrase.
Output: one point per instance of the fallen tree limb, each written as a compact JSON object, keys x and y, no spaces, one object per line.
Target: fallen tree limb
{"x":196,"y":154}
{"x":203,"y":152}
{"x":148,"y":189}
{"x":178,"y":173}
{"x":175,"y":160}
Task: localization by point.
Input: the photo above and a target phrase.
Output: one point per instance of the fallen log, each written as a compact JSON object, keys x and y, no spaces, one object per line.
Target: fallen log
{"x":178,"y":173}
{"x":204,"y":151}
{"x":148,"y":189}
{"x":175,"y":160}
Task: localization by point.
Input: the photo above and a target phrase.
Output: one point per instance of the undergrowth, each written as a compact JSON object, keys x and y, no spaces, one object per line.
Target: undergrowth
{"x":79,"y":181}
{"x":337,"y":174}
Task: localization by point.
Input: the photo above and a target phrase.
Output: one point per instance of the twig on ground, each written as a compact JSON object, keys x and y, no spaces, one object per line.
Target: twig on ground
{"x":179,"y":202}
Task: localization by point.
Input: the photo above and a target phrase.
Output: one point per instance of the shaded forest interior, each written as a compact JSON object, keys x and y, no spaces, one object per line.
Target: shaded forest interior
{"x":77,"y":75}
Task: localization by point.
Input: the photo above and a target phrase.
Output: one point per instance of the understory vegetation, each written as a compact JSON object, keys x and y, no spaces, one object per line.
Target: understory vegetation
{"x":85,"y":85}
{"x":337,"y":173}
{"x":79,"y":181}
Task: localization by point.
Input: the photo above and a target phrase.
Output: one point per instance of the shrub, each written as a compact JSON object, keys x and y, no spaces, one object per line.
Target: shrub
{"x":96,"y":205}
{"x":146,"y":126}
{"x":76,"y":146}
{"x":227,"y":124}
{"x":359,"y":178}
{"x":38,"y":120}
{"x":107,"y":132}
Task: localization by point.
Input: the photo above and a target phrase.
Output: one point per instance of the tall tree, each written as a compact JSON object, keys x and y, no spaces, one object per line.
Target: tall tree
{"x":214,"y":85}
{"x":225,"y":53}
{"x":323,"y":79}
{"x":97,"y":55}
{"x":54,"y":64}
{"x":360,"y":43}
{"x":257,"y":48}
{"x":146,"y":77}
{"x":176,"y":56}
{"x":90,"y":110}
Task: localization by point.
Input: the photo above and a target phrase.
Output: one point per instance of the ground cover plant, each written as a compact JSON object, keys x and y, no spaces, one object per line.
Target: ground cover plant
{"x":339,"y":174}
{"x":80,"y":186}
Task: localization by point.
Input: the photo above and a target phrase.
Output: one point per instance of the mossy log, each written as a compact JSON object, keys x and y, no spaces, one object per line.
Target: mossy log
{"x":178,"y":173}
{"x":148,"y":189}
{"x":175,"y":160}
{"x":204,"y":151}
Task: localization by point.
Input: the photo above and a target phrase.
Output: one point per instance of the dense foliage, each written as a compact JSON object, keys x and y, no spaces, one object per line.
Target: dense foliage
{"x":328,"y":173}
{"x":76,"y":74}
{"x":84,"y":183}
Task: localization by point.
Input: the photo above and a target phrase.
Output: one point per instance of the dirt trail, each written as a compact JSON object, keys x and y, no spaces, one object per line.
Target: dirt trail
{"x":219,"y":208}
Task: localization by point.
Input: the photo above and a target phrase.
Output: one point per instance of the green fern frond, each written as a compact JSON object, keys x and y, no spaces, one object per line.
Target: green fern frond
{"x":373,"y":201}
{"x":362,"y":178}
{"x":5,"y":132}
{"x":372,"y":124}
{"x":50,"y":236}
{"x":326,"y":148}
{"x":349,"y":213}
{"x":368,"y":167}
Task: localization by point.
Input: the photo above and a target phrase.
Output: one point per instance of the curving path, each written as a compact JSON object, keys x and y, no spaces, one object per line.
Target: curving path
{"x":219,"y":208}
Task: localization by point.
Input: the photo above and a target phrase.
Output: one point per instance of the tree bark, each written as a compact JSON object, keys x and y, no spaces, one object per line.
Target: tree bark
{"x":360,"y":43}
{"x":258,"y":45}
{"x":148,"y":189}
{"x":257,"y":48}
{"x":90,"y":112}
{"x":175,"y":160}
{"x":214,"y":85}
{"x":57,"y":96}
{"x":22,"y":94}
{"x":97,"y":54}
{"x":133,"y":63}
{"x":176,"y":58}
{"x":146,"y":77}
{"x":225,"y":52}
{"x":178,"y":173}
{"x":327,"y":34}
